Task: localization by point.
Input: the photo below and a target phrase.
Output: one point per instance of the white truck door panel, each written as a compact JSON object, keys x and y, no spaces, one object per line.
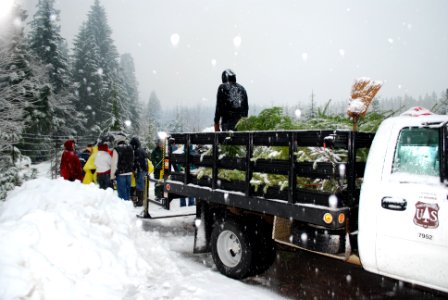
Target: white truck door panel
{"x":412,"y":211}
{"x":411,"y":243}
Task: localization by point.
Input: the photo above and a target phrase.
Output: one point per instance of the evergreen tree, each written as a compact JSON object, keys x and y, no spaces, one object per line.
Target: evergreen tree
{"x":16,"y":78}
{"x":48,"y":45}
{"x":150,"y":120}
{"x":101,"y":90}
{"x":25,"y":91}
{"x":53,"y":112}
{"x":176,"y":125}
{"x":115,"y":123}
{"x":155,"y":109}
{"x":312,"y":110}
{"x":441,"y":107}
{"x":17,"y":87}
{"x":112,"y":87}
{"x":131,"y":85}
{"x":88,"y":77}
{"x":445,"y":99}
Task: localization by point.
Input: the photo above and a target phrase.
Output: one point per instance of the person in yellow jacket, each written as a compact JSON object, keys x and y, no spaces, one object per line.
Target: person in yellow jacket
{"x":90,"y":168}
{"x":150,"y":167}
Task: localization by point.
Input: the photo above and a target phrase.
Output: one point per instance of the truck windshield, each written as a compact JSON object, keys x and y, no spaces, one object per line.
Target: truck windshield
{"x":417,"y":152}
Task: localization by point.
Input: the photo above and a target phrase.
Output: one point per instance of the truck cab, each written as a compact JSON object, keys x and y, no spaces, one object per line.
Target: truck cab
{"x":403,"y":208}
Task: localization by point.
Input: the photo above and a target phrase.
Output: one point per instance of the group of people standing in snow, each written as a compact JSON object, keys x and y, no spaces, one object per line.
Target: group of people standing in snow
{"x":128,"y":162}
{"x":124,"y":167}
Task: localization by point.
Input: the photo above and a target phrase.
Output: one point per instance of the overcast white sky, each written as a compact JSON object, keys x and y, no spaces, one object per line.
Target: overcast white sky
{"x":281,"y":51}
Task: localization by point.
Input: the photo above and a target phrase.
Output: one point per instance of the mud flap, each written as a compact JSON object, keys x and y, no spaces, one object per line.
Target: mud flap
{"x":319,"y":240}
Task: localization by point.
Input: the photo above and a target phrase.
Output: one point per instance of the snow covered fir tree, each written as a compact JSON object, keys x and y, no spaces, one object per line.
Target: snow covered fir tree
{"x":49,"y":95}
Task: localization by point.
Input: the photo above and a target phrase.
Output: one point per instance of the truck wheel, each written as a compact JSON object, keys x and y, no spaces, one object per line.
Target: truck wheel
{"x":232,"y":249}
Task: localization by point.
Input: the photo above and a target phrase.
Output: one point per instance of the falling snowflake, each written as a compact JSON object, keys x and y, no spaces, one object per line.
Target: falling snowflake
{"x":304,"y":237}
{"x":407,"y":25}
{"x":237,"y":41}
{"x":333,"y":201}
{"x":342,"y":52}
{"x":342,"y":170}
{"x":298,"y":113}
{"x":175,"y":39}
{"x":349,"y":278}
{"x":226,"y":197}
{"x":305,"y":56}
{"x":214,"y":62}
{"x":390,"y":40}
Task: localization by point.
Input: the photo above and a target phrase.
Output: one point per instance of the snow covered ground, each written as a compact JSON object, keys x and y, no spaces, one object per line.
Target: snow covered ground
{"x":66,"y":240}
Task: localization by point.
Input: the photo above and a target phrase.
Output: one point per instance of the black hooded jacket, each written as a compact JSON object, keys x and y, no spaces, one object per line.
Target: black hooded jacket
{"x":231,"y":103}
{"x":140,"y":162}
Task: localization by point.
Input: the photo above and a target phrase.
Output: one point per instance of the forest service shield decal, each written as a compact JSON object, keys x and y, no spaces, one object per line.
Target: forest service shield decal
{"x":426,"y":215}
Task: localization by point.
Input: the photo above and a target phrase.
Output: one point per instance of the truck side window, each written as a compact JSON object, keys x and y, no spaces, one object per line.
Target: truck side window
{"x":417,"y":152}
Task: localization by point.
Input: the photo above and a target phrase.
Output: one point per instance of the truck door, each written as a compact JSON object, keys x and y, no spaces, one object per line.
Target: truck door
{"x":412,"y":218}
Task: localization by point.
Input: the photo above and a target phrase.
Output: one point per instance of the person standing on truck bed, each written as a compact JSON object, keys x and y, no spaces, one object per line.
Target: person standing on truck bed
{"x":231,"y":102}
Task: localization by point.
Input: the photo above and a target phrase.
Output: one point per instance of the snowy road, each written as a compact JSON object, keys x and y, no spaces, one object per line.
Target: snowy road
{"x":298,"y":275}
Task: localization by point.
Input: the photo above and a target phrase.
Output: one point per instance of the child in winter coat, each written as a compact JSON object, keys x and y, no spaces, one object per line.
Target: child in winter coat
{"x":103,"y":162}
{"x":90,"y":168}
{"x":70,"y":164}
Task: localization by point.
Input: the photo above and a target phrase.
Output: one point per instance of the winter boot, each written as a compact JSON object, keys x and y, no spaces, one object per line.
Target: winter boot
{"x":139,"y":201}
{"x":133,"y":196}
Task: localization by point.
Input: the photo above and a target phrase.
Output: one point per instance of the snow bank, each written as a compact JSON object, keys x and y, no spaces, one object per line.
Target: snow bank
{"x":60,"y":236}
{"x":66,"y":240}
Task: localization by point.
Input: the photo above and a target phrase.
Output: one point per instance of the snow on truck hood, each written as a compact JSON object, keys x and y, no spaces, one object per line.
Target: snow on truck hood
{"x":417,"y":121}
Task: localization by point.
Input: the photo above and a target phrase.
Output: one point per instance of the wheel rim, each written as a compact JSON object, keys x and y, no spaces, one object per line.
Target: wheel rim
{"x":228,"y":246}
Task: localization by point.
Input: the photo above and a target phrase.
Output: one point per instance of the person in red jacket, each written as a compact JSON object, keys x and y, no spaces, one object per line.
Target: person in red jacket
{"x":70,"y":164}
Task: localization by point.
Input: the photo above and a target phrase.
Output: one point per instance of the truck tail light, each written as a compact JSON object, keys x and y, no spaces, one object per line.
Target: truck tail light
{"x":328,"y":218}
{"x":341,"y":218}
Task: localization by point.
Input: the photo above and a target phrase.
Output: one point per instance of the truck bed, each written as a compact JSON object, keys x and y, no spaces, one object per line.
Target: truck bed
{"x":294,"y":202}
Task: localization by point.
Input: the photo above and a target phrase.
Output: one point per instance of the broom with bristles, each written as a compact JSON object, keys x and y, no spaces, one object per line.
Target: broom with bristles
{"x":363,"y":92}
